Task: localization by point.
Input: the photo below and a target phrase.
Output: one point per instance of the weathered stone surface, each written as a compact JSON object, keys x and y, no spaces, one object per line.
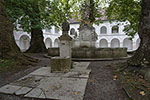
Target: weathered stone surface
{"x":42,"y":71}
{"x":60,"y":64}
{"x":45,"y":71}
{"x":65,"y":37}
{"x":42,"y":95}
{"x":64,"y":88}
{"x":9,"y":89}
{"x":87,"y":36}
{"x":81,"y":73}
{"x":29,"y":81}
{"x":97,"y":52}
{"x":23,"y":91}
{"x":53,"y":51}
{"x":35,"y":93}
{"x":65,"y":45}
{"x":80,"y":65}
{"x":45,"y":85}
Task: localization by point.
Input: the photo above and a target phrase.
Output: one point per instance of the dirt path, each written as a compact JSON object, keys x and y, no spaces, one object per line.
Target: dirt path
{"x":101,"y":85}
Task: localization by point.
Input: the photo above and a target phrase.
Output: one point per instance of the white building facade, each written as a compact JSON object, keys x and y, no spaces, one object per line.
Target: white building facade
{"x":110,"y":35}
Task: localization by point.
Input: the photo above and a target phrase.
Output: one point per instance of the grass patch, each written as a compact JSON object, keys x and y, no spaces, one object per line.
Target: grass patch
{"x":6,"y":65}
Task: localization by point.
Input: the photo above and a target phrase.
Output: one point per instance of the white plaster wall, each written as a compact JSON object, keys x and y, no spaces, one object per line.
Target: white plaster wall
{"x":109,"y":36}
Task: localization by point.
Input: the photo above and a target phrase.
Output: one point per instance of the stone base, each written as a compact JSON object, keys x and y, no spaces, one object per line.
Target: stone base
{"x":84,"y":52}
{"x":60,"y":64}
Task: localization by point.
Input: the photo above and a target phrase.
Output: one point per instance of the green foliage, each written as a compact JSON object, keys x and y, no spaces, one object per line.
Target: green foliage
{"x":41,"y":14}
{"x":62,"y":10}
{"x":30,"y":14}
{"x":95,"y":6}
{"x":6,"y":64}
{"x":125,"y":10}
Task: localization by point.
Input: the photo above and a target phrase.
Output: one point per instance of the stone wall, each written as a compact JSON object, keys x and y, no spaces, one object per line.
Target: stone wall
{"x":93,"y":52}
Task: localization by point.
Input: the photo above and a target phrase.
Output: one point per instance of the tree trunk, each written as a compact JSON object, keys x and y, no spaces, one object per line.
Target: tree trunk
{"x":37,"y":44}
{"x":141,"y":56}
{"x":8,"y":47}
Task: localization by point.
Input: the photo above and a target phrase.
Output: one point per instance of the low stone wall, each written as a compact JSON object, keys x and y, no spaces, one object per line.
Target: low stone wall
{"x":93,"y":52}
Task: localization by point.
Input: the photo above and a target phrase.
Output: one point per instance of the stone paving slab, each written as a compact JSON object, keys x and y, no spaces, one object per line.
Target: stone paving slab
{"x":23,"y":90}
{"x":31,"y":81}
{"x":35,"y":93}
{"x":45,"y":71}
{"x":60,"y":88}
{"x":78,"y":73}
{"x":43,"y":84}
{"x":83,"y":65}
{"x":9,"y":89}
{"x":79,"y":70}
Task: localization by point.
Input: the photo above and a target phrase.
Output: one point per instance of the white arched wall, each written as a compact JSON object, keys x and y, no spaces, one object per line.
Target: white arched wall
{"x":103,"y":43}
{"x":137,"y":43}
{"x":128,"y":44}
{"x":56,"y":43}
{"x":24,"y":43}
{"x":115,"y":43}
{"x":109,"y":36}
{"x":48,"y":43}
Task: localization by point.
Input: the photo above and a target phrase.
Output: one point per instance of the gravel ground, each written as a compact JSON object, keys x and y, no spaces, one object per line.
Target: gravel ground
{"x":101,"y":85}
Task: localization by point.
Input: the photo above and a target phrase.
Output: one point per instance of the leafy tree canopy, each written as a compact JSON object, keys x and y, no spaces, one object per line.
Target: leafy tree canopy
{"x":23,"y":12}
{"x":48,"y":12}
{"x":125,"y":10}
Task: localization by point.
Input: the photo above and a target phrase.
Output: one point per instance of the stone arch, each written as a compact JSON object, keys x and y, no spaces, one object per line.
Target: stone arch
{"x":103,"y":43}
{"x":138,"y":43}
{"x":128,"y":44}
{"x":56,"y":43}
{"x":103,"y":30}
{"x":115,"y":29}
{"x":115,"y":43}
{"x":24,"y":43}
{"x":72,"y":31}
{"x":48,"y":43}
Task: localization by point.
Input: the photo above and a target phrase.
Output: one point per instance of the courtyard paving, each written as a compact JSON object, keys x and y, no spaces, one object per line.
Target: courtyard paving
{"x":100,"y":85}
{"x":45,"y":85}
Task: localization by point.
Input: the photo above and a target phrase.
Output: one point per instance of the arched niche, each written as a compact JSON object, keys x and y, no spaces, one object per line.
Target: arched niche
{"x":115,"y":43}
{"x":56,"y":43}
{"x":103,"y":43}
{"x":128,"y":44}
{"x":24,"y":43}
{"x":48,"y":43}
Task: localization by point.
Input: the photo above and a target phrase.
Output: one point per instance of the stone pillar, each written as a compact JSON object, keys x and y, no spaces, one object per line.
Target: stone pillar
{"x":121,"y":44}
{"x":63,"y":63}
{"x":65,"y":45}
{"x":109,"y":44}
